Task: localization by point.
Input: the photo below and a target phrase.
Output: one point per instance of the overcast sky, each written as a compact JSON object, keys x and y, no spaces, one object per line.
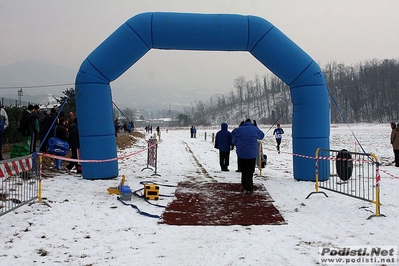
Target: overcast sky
{"x":64,"y":32}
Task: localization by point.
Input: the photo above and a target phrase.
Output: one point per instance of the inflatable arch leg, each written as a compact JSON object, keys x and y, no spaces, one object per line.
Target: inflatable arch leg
{"x":182,"y":31}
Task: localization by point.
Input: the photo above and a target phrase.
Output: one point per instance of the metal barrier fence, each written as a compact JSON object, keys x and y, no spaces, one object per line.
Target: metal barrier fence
{"x":349,"y":173}
{"x":152,"y":156}
{"x":20,"y":183}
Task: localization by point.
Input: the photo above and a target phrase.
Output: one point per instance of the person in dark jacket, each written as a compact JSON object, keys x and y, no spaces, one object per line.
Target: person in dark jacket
{"x":192,"y":131}
{"x":47,"y":126}
{"x":35,"y":124}
{"x":395,"y":144}
{"x":393,"y":126}
{"x":245,"y":138}
{"x":61,"y":133}
{"x":74,"y":145}
{"x":28,"y":127}
{"x":223,"y":142}
{"x":42,"y":133}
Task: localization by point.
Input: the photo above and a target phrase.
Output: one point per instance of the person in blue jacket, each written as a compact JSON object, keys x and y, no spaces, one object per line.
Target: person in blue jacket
{"x":223,"y":142}
{"x":278,"y":132}
{"x":245,"y":138}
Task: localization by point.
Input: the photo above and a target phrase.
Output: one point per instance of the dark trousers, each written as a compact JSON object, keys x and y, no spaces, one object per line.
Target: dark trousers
{"x":396,"y":157}
{"x":224,"y":157}
{"x":33,"y":140}
{"x":278,"y":144}
{"x":72,"y":164}
{"x":247,"y":167}
{"x":238,"y":164}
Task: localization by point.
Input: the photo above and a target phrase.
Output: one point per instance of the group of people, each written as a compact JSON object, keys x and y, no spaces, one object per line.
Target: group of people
{"x":148,"y":129}
{"x":126,"y":126}
{"x":33,"y":126}
{"x":193,"y":132}
{"x":245,"y":139}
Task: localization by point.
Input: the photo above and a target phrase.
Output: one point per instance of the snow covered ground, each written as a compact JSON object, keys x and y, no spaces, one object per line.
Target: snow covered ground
{"x":87,"y":226}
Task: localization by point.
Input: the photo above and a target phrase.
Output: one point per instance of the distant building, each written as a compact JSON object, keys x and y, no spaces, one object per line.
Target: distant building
{"x":162,"y":122}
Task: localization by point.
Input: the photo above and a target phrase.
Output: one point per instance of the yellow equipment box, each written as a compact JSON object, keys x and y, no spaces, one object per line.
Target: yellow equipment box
{"x":151,"y":192}
{"x":116,"y":190}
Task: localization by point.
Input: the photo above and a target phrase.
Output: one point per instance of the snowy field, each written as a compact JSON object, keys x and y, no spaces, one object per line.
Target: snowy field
{"x":87,"y":226}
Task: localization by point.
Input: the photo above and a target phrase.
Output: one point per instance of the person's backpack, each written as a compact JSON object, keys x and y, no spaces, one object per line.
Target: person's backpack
{"x":264,"y":160}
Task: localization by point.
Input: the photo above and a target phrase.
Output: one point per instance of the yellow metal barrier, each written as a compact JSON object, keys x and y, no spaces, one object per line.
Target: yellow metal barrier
{"x":349,"y":173}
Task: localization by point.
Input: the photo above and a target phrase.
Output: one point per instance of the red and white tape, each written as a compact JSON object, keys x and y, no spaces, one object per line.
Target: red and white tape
{"x":12,"y":168}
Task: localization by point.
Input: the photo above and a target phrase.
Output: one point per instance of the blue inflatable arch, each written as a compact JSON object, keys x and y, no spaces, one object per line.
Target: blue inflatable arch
{"x":216,"y":32}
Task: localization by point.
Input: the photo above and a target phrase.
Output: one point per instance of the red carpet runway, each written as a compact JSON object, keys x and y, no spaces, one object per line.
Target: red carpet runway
{"x":220,"y":204}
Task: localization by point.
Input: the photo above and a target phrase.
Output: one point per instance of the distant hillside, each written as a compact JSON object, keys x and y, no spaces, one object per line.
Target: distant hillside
{"x":366,"y":92}
{"x":34,"y":73}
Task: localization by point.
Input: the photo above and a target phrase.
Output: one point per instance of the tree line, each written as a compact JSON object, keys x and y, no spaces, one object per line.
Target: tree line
{"x":365,"y":92}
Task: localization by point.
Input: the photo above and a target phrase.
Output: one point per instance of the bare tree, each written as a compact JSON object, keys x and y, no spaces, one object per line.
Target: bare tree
{"x":129,"y":113}
{"x":239,"y":84}
{"x":248,"y":96}
{"x":258,"y":96}
{"x":266,"y":94}
{"x":232,"y":101}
